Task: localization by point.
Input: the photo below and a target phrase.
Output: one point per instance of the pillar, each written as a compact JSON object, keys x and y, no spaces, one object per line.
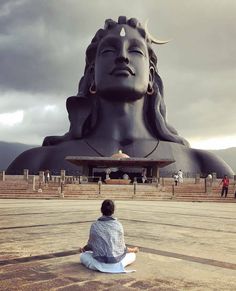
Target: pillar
{"x":41,"y":179}
{"x":208,"y":185}
{"x":156,"y":173}
{"x":31,"y":181}
{"x":100,"y":186}
{"x":85,"y":171}
{"x":162,"y":182}
{"x":62,"y":190}
{"x":63,"y":176}
{"x":214,"y":177}
{"x":197,"y":179}
{"x":26,"y":174}
{"x":135,"y":185}
{"x":2,"y":176}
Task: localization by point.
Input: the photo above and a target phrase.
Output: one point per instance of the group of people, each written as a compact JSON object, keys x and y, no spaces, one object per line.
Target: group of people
{"x":178,"y":178}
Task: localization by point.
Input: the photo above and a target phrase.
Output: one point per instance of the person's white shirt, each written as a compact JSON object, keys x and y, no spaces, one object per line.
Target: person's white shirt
{"x":180,"y":176}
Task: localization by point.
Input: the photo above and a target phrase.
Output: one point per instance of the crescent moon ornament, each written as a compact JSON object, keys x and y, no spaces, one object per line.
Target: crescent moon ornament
{"x":152,"y":38}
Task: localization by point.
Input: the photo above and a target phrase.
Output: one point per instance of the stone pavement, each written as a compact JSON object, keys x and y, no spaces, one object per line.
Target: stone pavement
{"x":183,"y":245}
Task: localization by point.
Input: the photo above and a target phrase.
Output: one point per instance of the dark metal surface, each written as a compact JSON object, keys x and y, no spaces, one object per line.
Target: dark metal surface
{"x":119,"y":106}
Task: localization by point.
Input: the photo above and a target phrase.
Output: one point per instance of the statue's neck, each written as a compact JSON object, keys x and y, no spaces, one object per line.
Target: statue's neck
{"x":121,"y":121}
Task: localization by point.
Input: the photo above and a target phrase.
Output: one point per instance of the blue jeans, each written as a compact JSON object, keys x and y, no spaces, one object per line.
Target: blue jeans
{"x":224,"y":190}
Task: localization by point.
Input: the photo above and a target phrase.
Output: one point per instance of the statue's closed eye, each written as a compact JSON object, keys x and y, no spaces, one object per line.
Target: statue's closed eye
{"x":136,"y":50}
{"x":108,"y":50}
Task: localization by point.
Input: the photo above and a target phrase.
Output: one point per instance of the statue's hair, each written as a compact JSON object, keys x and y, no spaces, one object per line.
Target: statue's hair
{"x":154,"y":106}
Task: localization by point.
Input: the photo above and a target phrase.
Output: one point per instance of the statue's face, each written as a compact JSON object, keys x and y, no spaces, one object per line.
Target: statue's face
{"x":122,"y":65}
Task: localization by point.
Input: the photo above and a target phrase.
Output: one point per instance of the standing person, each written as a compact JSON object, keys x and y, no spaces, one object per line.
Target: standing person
{"x":176,"y":178}
{"x":47,"y":176}
{"x":144,"y":176}
{"x":180,"y":176}
{"x":108,"y":172}
{"x":106,"y":250}
{"x":225,"y":186}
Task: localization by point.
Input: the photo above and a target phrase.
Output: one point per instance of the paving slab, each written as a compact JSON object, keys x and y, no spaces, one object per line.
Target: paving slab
{"x":183,"y":245}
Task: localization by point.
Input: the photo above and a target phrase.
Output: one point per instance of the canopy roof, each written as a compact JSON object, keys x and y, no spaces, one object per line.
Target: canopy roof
{"x":117,"y":161}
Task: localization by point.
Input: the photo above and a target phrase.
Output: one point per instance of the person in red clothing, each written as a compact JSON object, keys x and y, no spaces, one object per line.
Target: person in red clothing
{"x":225,"y":186}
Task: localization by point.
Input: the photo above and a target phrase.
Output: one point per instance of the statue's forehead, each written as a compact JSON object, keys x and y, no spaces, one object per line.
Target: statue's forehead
{"x":123,"y":32}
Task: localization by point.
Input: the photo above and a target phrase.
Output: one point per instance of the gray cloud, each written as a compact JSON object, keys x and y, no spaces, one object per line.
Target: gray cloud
{"x":42,"y":57}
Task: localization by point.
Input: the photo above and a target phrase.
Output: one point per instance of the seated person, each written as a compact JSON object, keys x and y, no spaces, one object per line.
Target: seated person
{"x":106,"y":250}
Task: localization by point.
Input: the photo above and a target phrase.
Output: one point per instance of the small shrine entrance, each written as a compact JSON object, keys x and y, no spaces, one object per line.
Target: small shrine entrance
{"x":117,"y":168}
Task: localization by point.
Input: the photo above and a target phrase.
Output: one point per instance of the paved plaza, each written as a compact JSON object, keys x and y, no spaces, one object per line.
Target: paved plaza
{"x":183,"y":246}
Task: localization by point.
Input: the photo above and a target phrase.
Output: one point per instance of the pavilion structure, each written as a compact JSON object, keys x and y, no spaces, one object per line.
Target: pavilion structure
{"x":120,"y":161}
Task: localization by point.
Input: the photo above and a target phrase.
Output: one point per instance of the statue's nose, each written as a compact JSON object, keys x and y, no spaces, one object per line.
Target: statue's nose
{"x":122,"y":56}
{"x":122,"y":59}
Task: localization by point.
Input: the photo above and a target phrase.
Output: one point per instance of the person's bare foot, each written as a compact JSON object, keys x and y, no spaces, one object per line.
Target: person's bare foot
{"x":133,"y":250}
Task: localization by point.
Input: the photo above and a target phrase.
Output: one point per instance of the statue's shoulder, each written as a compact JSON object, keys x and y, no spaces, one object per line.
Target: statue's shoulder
{"x":30,"y":159}
{"x":48,"y":157}
{"x":210,"y":162}
{"x":34,"y":153}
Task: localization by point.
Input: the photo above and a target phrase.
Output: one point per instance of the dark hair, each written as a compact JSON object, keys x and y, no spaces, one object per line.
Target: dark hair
{"x":108,"y":207}
{"x":154,"y":105}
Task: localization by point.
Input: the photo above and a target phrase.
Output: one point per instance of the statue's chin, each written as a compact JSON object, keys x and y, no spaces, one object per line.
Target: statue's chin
{"x":121,"y":95}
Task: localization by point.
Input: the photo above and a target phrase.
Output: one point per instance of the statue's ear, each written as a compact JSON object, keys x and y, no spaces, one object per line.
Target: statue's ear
{"x":86,"y":81}
{"x":79,"y":109}
{"x":151,"y":74}
{"x":150,"y":88}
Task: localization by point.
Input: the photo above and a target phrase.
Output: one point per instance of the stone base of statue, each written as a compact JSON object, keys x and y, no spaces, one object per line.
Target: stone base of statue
{"x":117,"y":181}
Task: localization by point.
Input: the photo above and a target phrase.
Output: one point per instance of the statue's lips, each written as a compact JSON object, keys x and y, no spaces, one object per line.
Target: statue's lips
{"x":122,"y":71}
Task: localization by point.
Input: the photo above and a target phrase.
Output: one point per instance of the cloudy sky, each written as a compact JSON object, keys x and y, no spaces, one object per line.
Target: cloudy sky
{"x":42,"y":58}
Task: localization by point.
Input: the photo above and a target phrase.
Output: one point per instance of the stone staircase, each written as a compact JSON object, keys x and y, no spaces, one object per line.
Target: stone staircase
{"x":196,"y":192}
{"x":20,"y":189}
{"x":187,"y":191}
{"x":118,"y":192}
{"x":81,"y":191}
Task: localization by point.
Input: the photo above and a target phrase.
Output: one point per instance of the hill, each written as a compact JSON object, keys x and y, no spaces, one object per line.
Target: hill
{"x":9,"y":151}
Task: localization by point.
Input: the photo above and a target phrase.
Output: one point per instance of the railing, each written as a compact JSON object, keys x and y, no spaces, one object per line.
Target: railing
{"x":77,"y":173}
{"x":57,"y":184}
